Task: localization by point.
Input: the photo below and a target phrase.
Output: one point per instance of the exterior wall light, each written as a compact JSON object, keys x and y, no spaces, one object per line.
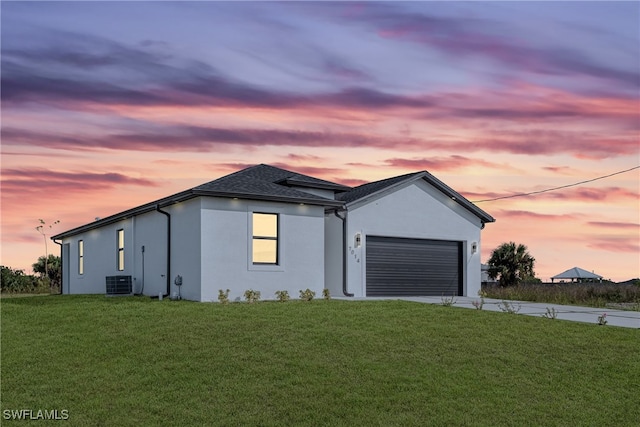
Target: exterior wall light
{"x":474,"y":247}
{"x":358,"y":240}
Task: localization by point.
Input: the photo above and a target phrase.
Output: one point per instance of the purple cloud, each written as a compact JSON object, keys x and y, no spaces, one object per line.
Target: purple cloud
{"x":30,"y":180}
{"x":472,"y":37}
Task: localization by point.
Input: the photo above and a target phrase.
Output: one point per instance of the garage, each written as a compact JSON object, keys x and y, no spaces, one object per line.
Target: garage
{"x":413,"y":267}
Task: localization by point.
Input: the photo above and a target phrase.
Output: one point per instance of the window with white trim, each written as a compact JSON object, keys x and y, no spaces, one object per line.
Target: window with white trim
{"x":265,"y":238}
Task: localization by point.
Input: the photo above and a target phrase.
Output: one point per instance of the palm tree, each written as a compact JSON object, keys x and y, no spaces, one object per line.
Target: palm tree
{"x":511,"y":264}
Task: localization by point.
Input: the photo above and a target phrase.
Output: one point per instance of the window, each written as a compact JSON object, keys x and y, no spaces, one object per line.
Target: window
{"x":80,"y":256}
{"x":120,"y":250}
{"x":265,"y":238}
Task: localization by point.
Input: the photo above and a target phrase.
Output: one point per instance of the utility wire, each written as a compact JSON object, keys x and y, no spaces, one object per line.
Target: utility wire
{"x":557,"y":188}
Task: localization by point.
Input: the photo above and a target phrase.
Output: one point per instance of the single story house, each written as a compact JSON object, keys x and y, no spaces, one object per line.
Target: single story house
{"x":269,"y":229}
{"x":486,"y":279}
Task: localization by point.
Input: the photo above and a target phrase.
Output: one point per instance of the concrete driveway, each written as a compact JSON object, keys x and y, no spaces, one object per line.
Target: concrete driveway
{"x":625,"y":319}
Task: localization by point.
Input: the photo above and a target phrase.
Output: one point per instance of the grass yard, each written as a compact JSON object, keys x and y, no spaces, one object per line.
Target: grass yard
{"x":134,"y":361}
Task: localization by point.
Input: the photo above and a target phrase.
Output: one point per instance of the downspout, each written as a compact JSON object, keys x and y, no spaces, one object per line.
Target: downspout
{"x":61,"y":264}
{"x":168,"y":215}
{"x":344,"y":252}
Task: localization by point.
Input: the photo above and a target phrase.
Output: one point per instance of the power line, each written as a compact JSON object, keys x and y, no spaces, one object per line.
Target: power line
{"x":557,"y":188}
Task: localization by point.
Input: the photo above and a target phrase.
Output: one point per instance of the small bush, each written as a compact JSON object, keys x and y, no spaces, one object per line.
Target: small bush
{"x":251,"y":296}
{"x":479,"y":304}
{"x":551,"y":313}
{"x":283,"y":296}
{"x":307,"y":295}
{"x":602,"y":319}
{"x":326,"y":294}
{"x":447,"y":301}
{"x":223,"y":296}
{"x":509,"y":307}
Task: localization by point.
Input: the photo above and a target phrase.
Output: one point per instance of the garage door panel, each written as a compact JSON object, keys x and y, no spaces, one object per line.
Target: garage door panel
{"x":413,"y":267}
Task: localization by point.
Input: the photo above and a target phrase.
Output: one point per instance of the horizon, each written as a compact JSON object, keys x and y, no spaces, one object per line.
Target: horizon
{"x":108,"y":106}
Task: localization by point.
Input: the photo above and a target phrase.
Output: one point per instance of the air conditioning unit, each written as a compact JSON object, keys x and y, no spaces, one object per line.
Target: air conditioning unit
{"x":119,"y":285}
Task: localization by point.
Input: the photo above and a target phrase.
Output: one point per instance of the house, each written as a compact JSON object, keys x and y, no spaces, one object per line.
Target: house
{"x":269,"y":229}
{"x":578,"y":275}
{"x":486,"y":279}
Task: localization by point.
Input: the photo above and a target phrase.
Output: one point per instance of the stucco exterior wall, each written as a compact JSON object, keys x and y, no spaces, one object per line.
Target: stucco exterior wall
{"x":333,"y":254}
{"x":226,"y":249}
{"x":100,"y":258}
{"x":186,"y":247}
{"x":150,"y":268}
{"x":415,"y":211}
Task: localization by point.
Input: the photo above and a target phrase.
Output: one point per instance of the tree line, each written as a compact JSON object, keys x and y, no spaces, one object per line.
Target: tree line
{"x":47,"y":277}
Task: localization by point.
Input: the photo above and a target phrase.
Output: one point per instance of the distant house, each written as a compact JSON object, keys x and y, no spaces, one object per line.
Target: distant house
{"x":269,"y":229}
{"x":486,"y":279}
{"x":576,"y":274}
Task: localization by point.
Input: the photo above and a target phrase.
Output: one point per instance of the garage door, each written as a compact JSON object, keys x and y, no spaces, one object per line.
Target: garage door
{"x":413,"y":267}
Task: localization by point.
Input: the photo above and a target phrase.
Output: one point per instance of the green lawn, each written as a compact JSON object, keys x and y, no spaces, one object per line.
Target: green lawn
{"x":134,"y":361}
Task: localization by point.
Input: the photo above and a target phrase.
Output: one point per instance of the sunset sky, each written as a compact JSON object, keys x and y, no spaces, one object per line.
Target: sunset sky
{"x":106,"y":106}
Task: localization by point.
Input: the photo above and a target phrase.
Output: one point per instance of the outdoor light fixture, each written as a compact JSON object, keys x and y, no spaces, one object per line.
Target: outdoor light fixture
{"x":474,"y":247}
{"x":358,"y":240}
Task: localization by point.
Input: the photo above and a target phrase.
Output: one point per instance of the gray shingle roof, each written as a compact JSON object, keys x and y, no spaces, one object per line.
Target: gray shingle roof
{"x":309,"y":181}
{"x":266,"y":181}
{"x":258,"y":182}
{"x":372,"y":187}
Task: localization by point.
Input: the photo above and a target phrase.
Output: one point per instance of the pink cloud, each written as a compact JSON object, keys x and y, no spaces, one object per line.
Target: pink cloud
{"x":615,"y":244}
{"x":534,"y":216}
{"x":452,"y":162}
{"x":615,"y":225}
{"x":578,"y":194}
{"x":23,"y":181}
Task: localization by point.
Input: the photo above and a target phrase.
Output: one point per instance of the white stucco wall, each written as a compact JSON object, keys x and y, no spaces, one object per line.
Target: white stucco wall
{"x":226,"y":249}
{"x":415,"y":211}
{"x":150,"y":232}
{"x":333,"y":254}
{"x":148,"y":271}
{"x":186,"y":247}
{"x":100,"y":258}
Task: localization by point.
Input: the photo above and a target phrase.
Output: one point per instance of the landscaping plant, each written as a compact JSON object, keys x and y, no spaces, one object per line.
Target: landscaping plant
{"x":307,"y":295}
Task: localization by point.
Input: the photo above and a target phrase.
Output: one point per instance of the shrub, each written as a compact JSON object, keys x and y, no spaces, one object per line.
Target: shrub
{"x":447,"y":301}
{"x":326,"y":294}
{"x":307,"y":295}
{"x":551,"y":313}
{"x":252,"y":296}
{"x":283,"y":296}
{"x":223,"y":296}
{"x":509,"y":307}
{"x":16,"y":281}
{"x":479,"y":304}
{"x":602,"y":319}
